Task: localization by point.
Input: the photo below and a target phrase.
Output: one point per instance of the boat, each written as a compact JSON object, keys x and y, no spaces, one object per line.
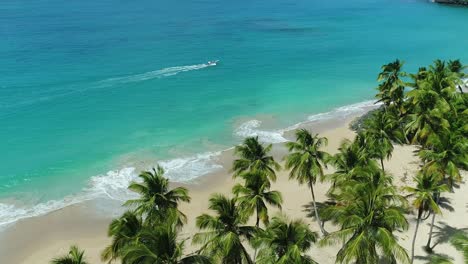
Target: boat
{"x":212,"y":63}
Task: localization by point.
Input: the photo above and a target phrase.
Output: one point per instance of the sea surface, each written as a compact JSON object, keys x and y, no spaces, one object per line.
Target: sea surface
{"x":90,"y":91}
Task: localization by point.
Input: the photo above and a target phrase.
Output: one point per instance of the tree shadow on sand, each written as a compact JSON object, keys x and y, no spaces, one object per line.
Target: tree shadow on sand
{"x":444,"y":232}
{"x":309,"y":208}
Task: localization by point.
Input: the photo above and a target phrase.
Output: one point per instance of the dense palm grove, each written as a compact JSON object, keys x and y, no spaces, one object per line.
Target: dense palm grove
{"x":427,"y":109}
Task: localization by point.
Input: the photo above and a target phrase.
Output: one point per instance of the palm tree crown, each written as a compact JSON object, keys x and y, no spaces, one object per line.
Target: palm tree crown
{"x":368,"y":212}
{"x":160,"y":245}
{"x":285,"y":242}
{"x":255,"y":194}
{"x":156,"y":200}
{"x":254,"y":156}
{"x":225,"y":232}
{"x":123,"y":231}
{"x":307,"y":161}
{"x":74,"y":256}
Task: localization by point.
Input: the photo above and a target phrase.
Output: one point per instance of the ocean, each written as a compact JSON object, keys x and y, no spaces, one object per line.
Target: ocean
{"x":92,"y":90}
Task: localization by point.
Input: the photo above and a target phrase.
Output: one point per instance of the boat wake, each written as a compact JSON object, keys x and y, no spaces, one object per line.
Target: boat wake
{"x":166,"y":72}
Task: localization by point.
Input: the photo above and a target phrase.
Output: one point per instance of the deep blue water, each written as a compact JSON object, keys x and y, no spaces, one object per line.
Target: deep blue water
{"x":89,"y":86}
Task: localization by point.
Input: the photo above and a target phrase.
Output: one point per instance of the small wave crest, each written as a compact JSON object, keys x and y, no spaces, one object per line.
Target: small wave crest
{"x":250,"y":129}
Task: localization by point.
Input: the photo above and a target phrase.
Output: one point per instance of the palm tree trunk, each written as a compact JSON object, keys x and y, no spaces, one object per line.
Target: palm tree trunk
{"x":315,"y":209}
{"x":257,"y":223}
{"x":415,"y":233}
{"x":428,"y":245}
{"x":381,"y":164}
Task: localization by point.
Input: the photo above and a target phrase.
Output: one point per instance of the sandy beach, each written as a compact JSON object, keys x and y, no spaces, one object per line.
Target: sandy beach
{"x":37,"y":240}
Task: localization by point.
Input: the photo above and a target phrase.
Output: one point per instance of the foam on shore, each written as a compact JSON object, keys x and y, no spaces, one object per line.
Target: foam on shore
{"x":114,"y":183}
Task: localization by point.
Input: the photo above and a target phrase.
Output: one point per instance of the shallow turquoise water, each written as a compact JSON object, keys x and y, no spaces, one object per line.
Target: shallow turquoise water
{"x":87,"y":86}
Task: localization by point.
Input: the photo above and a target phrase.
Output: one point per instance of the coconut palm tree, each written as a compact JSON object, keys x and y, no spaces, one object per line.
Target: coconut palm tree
{"x":123,"y":232}
{"x":349,"y":161}
{"x":225,"y":233}
{"x":285,"y":242}
{"x":442,"y":79}
{"x":380,"y":131}
{"x":447,"y":157}
{"x":307,"y":162}
{"x":74,"y":256}
{"x":391,"y":89}
{"x":255,"y":194}
{"x":156,"y":199}
{"x":254,"y":156}
{"x":368,"y":212}
{"x":160,"y":245}
{"x":457,"y":67}
{"x":428,"y":119}
{"x":424,"y":200}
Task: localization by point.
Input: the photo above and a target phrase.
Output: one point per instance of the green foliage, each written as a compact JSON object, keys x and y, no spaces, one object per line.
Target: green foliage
{"x":123,"y":231}
{"x":307,"y":162}
{"x":156,"y":201}
{"x":255,"y":194}
{"x":253,"y":156}
{"x":285,"y":242}
{"x":74,"y":256}
{"x":225,"y":233}
{"x":159,"y":245}
{"x":368,"y":211}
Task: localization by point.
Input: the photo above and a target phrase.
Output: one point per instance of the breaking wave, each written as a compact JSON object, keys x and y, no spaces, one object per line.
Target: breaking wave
{"x":114,"y":183}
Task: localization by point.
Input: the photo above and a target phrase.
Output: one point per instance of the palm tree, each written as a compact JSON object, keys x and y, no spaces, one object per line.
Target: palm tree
{"x":426,"y":186}
{"x":160,"y":245}
{"x":380,"y":130}
{"x":285,"y":242}
{"x":427,"y":121}
{"x":447,"y":157}
{"x":457,"y":67}
{"x":254,"y":156}
{"x":74,"y":256}
{"x":255,"y":194}
{"x":123,"y":231}
{"x":368,"y":212}
{"x":391,"y":89}
{"x":349,"y":161}
{"x":156,"y":200}
{"x":307,"y":162}
{"x":225,"y":232}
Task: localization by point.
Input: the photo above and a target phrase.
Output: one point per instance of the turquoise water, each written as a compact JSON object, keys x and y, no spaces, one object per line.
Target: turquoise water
{"x":92,"y":86}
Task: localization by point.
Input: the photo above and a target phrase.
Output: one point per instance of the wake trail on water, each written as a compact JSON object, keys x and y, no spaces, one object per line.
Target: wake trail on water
{"x":166,"y":72}
{"x":56,"y":92}
{"x":113,"y":184}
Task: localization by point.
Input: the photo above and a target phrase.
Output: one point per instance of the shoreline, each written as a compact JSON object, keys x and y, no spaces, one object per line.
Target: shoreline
{"x":113,"y":184}
{"x":98,"y":212}
{"x":38,"y":239}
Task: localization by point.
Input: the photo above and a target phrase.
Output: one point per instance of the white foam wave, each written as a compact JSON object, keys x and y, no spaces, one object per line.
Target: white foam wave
{"x":186,"y":169}
{"x":345,"y":111}
{"x":10,"y":213}
{"x":250,"y":129}
{"x":156,"y":74}
{"x":114,"y":185}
